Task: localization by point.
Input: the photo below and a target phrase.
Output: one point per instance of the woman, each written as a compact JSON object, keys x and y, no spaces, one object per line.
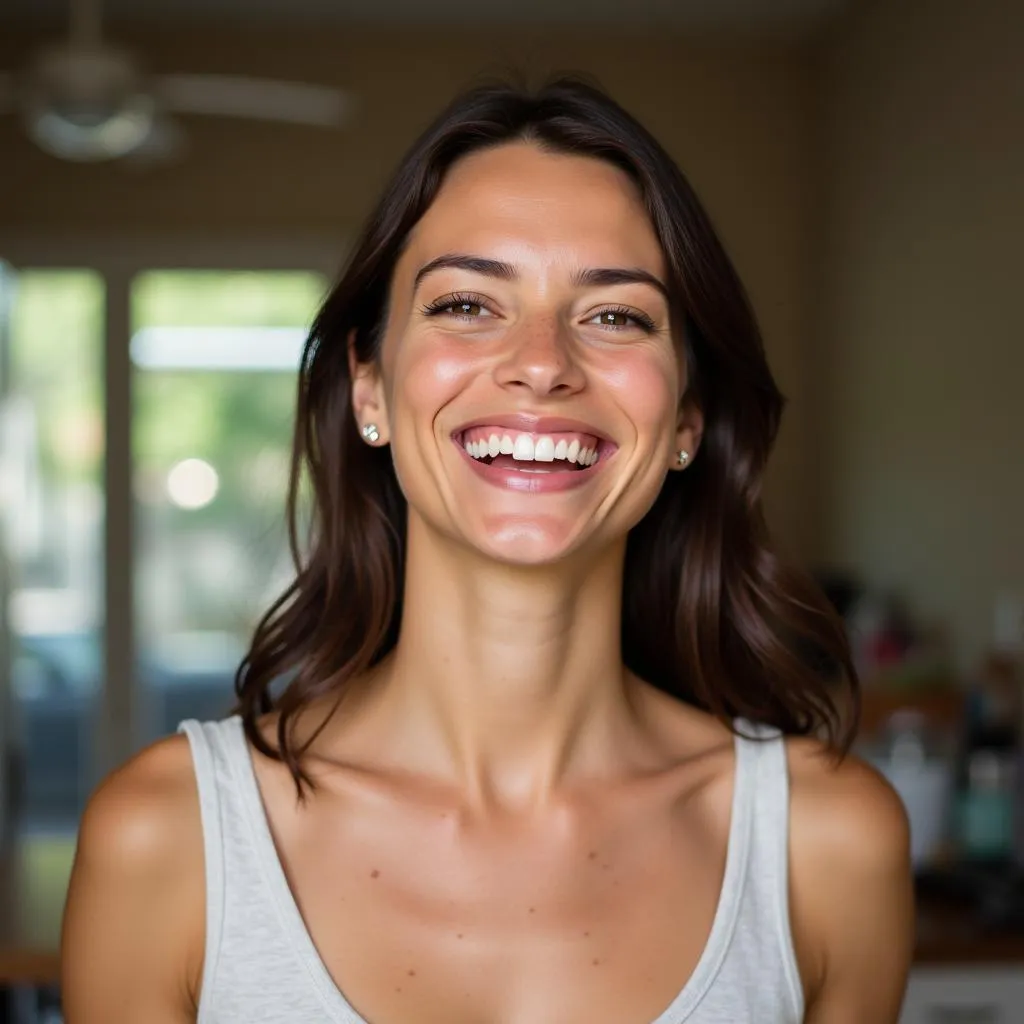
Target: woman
{"x":531,"y":737}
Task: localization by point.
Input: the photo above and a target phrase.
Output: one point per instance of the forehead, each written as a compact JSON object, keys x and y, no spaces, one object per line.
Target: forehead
{"x":522,"y":204}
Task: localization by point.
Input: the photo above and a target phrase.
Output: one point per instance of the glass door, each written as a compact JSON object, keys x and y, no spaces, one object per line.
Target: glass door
{"x":214,"y":359}
{"x":8,"y":765}
{"x":145,"y":432}
{"x":53,"y":452}
{"x":52,"y":516}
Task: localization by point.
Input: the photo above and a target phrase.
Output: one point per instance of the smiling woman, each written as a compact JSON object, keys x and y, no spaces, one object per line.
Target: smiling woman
{"x":543,"y":729}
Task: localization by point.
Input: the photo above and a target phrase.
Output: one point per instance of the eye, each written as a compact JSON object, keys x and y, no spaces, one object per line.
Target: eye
{"x":619,"y":318}
{"x":460,"y":307}
{"x":469,"y":310}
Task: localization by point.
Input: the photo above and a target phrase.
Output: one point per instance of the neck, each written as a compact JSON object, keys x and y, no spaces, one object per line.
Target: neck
{"x":507,"y":678}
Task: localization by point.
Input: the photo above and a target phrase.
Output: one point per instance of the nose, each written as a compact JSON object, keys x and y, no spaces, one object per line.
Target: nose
{"x":540,"y":357}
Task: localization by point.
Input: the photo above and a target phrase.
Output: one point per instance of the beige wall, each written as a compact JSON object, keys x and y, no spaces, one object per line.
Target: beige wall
{"x":923,"y":450}
{"x":892,"y":321}
{"x":741,"y":121}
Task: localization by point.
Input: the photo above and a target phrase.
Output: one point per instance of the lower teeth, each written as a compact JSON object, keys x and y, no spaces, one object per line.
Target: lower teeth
{"x":525,"y":466}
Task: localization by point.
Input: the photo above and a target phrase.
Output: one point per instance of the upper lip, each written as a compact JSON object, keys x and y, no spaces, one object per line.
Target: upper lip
{"x":528,"y":423}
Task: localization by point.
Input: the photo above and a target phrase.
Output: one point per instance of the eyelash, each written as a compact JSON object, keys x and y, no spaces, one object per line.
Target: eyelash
{"x":458,"y":299}
{"x":438,"y":307}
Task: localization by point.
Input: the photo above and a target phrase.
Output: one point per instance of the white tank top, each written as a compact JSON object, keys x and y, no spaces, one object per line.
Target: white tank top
{"x":261,"y":966}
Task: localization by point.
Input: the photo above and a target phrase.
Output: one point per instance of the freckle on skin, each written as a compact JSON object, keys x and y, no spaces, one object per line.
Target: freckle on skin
{"x":592,"y":855}
{"x":586,"y":935}
{"x":459,"y":936}
{"x":412,"y":974}
{"x":595,"y":962}
{"x":533,"y":910}
{"x":375,"y":873}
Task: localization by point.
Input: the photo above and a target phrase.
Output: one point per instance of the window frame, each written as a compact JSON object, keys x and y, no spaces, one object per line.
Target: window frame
{"x":118,"y":732}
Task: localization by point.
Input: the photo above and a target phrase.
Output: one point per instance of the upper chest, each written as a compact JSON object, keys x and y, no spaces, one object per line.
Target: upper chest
{"x":599,"y":911}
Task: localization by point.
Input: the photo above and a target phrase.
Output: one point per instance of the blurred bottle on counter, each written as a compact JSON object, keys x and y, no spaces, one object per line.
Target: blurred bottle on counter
{"x":989,"y":775}
{"x":986,"y":805}
{"x":1007,"y":665}
{"x":880,"y":637}
{"x":917,"y":758}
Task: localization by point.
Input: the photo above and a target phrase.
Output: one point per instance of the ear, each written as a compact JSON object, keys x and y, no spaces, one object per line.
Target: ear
{"x":368,"y":403}
{"x":689,"y":431}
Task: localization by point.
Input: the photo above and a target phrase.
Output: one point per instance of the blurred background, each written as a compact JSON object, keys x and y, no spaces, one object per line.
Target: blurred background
{"x":170,"y":217}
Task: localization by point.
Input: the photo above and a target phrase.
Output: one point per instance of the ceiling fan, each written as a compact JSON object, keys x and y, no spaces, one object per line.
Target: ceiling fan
{"x":86,"y":100}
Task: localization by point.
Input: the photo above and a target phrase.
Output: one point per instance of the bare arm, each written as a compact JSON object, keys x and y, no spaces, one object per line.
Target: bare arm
{"x":852,"y":891}
{"x":132,"y":942}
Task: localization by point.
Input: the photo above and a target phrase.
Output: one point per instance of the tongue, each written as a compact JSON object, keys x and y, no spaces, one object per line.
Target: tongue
{"x":507,"y":462}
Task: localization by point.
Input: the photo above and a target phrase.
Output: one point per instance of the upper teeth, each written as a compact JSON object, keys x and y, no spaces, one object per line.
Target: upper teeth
{"x":525,"y":448}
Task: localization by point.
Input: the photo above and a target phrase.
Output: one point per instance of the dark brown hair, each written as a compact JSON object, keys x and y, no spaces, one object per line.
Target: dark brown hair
{"x":710,"y":613}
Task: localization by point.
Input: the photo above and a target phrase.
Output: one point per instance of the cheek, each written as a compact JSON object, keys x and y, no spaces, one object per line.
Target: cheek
{"x":646,"y":386}
{"x":427,"y":374}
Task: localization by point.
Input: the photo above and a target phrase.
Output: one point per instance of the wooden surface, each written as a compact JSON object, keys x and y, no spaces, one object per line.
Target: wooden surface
{"x":943,"y":708}
{"x":950,"y":936}
{"x":34,"y":878}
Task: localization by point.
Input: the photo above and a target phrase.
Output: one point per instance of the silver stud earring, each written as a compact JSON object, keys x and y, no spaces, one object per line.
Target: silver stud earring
{"x":371,"y":433}
{"x":683,"y":458}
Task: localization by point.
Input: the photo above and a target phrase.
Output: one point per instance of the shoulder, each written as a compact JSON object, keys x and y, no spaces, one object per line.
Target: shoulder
{"x":145,"y":816}
{"x":139,"y":868}
{"x":851,"y":881}
{"x":843,"y":808}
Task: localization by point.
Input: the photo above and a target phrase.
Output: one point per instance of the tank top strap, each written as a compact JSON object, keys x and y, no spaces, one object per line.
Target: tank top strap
{"x":766,"y":898}
{"x":763,"y":748}
{"x":255,"y":927}
{"x":213,"y":753}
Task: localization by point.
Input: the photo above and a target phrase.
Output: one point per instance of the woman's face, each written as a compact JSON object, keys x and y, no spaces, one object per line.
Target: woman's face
{"x":529,"y":384}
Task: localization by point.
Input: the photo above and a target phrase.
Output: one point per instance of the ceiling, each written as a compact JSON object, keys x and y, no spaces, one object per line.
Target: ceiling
{"x":741,"y":16}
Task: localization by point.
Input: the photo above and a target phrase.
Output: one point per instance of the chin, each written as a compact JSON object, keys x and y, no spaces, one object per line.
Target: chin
{"x":526,"y":542}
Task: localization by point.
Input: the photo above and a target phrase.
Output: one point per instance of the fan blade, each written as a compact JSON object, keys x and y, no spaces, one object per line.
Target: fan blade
{"x":259,"y":98}
{"x":8,"y":92}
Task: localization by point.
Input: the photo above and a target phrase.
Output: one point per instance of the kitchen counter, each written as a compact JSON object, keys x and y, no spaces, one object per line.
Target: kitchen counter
{"x":950,"y":936}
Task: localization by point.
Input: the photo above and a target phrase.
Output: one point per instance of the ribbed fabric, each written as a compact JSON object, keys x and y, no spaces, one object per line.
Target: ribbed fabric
{"x":261,"y":966}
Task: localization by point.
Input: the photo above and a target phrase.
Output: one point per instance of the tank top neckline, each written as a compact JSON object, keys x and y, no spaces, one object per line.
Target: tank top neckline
{"x":341,"y":1011}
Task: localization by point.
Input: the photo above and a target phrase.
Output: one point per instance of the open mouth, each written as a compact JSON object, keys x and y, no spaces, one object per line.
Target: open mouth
{"x":554,"y":452}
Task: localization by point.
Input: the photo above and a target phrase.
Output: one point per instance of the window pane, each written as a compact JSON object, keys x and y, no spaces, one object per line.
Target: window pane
{"x":53,"y":532}
{"x":215,"y":355}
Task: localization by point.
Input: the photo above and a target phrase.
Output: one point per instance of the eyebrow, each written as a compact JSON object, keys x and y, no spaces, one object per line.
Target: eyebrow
{"x":462,"y":261}
{"x":594,"y":276}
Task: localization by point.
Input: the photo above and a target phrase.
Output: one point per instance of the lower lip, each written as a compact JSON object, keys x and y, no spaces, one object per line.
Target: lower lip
{"x":533,"y":483}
